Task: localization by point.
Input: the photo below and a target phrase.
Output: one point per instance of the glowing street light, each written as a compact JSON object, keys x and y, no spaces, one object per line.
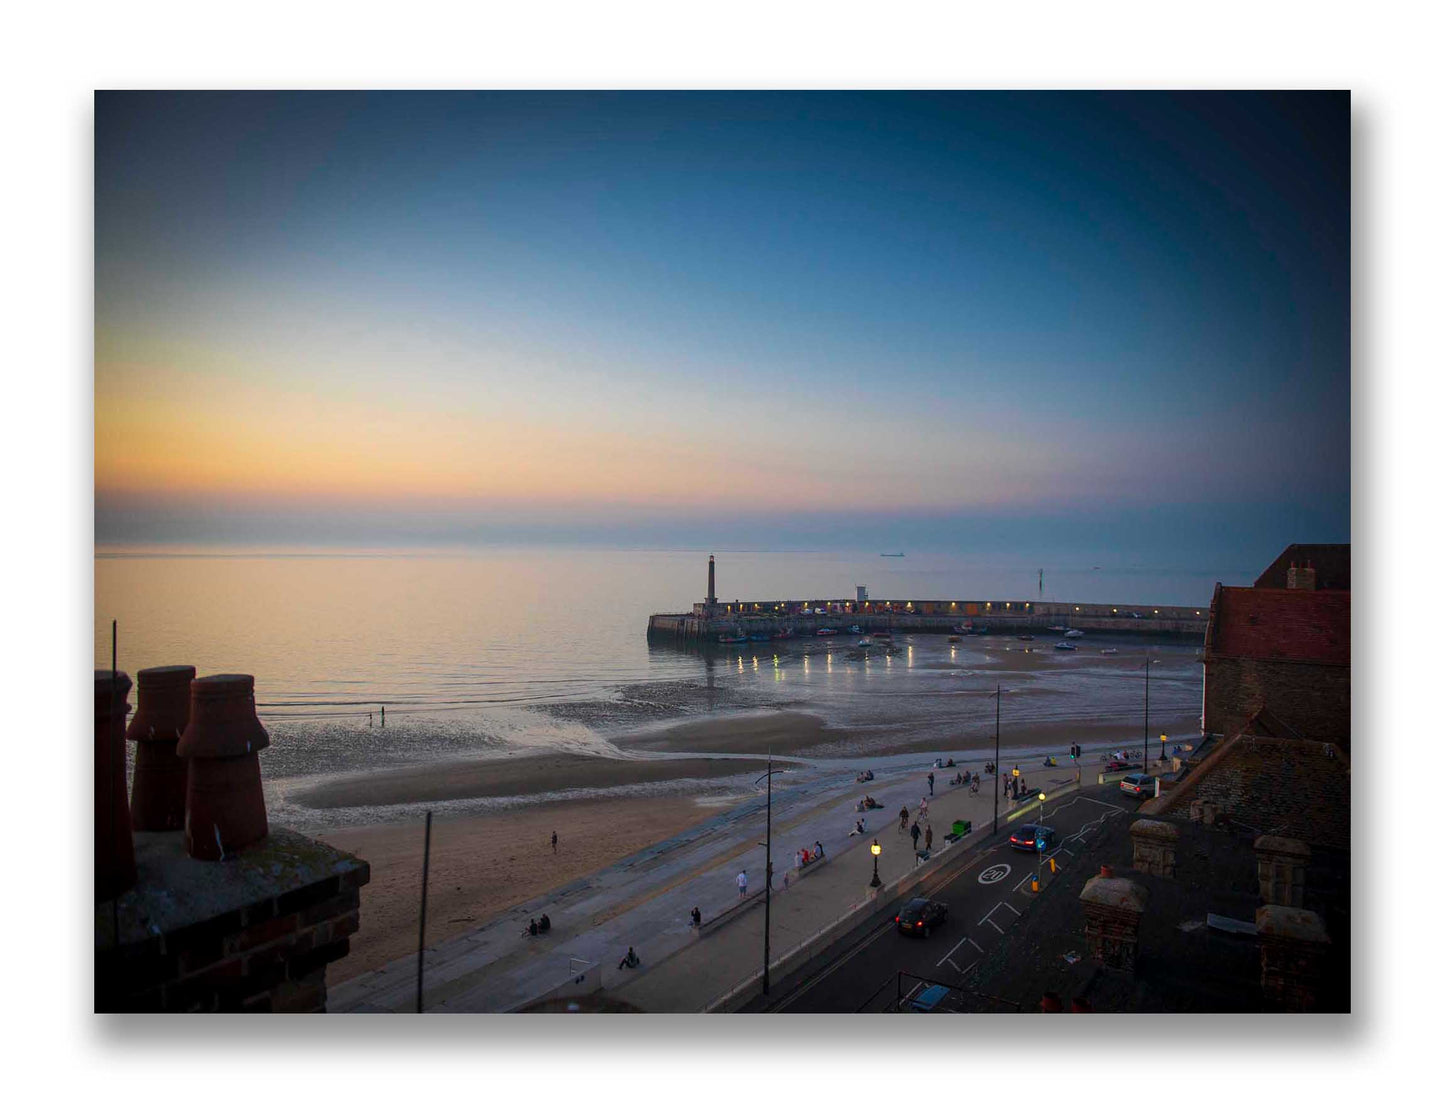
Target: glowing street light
{"x":877,"y":850}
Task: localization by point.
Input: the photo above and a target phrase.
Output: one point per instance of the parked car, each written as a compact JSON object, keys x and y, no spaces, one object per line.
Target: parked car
{"x":928,"y":1000}
{"x":1140,"y":785}
{"x":920,"y":916}
{"x":1026,"y":836}
{"x":1114,"y":765}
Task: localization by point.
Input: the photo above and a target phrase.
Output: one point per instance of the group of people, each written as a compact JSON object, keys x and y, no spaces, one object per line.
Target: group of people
{"x":865,"y":776}
{"x":539,"y":927}
{"x":867,"y":803}
{"x":1015,"y":787}
{"x":803,"y":856}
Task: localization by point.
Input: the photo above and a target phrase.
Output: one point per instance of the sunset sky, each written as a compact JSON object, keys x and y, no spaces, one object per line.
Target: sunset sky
{"x":673,"y":318}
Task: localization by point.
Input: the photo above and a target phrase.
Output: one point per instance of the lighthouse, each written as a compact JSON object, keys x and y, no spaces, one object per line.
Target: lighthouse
{"x":711,"y":585}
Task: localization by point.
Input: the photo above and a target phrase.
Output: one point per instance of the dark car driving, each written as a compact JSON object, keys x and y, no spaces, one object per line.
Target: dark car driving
{"x":1026,"y":836}
{"x":920,"y":916}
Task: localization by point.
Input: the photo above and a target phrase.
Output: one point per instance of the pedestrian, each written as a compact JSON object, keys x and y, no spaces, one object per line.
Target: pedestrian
{"x":930,"y":783}
{"x":915,"y":833}
{"x":368,"y":720}
{"x":928,"y":839}
{"x":383,"y":716}
{"x":818,"y":848}
{"x":696,"y":917}
{"x":903,"y":819}
{"x":743,"y":883}
{"x":554,"y":843}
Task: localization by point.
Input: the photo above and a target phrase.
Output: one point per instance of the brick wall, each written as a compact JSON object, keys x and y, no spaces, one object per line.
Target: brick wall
{"x":261,"y":942}
{"x":1313,"y":699}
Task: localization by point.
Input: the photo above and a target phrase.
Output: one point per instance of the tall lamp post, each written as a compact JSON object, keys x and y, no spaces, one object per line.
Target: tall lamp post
{"x":875,"y":883}
{"x":1042,"y":798}
{"x":1163,"y":736}
{"x":768,"y":875}
{"x":1146,"y":712}
{"x":997,"y":707}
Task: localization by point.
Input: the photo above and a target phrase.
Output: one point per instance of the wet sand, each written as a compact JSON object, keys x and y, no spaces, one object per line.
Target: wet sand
{"x":519,"y":776}
{"x":484,"y":865}
{"x":782,"y":731}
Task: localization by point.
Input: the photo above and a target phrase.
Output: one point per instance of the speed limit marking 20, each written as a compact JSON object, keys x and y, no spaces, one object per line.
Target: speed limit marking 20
{"x":994,"y":874}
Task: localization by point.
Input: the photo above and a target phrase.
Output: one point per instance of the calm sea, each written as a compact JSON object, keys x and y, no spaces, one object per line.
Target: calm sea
{"x":493,"y":650}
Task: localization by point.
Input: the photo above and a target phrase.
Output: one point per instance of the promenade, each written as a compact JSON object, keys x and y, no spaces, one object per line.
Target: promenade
{"x":645,"y":900}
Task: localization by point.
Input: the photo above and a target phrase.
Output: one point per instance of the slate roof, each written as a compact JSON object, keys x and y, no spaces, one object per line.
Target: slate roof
{"x":1311,"y":626}
{"x":1330,"y":561}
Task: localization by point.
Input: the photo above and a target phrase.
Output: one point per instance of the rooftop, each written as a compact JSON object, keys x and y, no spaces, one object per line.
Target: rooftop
{"x":1330,"y":561}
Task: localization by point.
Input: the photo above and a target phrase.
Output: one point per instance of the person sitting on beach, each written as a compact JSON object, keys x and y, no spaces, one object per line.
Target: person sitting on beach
{"x":858,"y":828}
{"x":950,"y":762}
{"x":630,"y":960}
{"x":696,"y":917}
{"x":817,"y":850}
{"x":532,"y":926}
{"x":958,"y":780}
{"x":544,"y":924}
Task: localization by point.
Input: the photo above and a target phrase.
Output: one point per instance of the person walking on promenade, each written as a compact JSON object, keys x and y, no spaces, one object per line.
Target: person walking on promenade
{"x":903,"y":819}
{"x":930,"y":783}
{"x":928,"y":839}
{"x":696,"y":917}
{"x":743,"y":883}
{"x":383,"y":716}
{"x":922,"y":809}
{"x":818,"y":848}
{"x":915,"y":833}
{"x":554,"y":843}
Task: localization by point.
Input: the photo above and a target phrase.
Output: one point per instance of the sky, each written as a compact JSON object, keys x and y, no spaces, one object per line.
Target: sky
{"x":753,"y":319}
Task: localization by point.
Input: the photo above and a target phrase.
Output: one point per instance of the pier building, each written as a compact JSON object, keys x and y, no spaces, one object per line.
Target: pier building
{"x":712,"y":619}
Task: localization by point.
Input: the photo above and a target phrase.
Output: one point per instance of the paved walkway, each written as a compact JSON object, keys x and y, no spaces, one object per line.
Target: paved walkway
{"x":645,"y":901}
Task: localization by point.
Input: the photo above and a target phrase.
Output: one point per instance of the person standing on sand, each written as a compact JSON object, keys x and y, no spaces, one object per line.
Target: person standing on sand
{"x":743,"y":883}
{"x":554,"y":843}
{"x":930,"y":783}
{"x":928,"y":839}
{"x":383,"y":716}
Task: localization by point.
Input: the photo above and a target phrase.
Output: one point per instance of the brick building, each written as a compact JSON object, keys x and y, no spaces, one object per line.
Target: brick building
{"x":1283,"y":648}
{"x":1328,"y":564}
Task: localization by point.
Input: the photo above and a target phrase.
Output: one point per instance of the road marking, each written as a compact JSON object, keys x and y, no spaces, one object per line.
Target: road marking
{"x":1010,"y":907}
{"x":955,"y":947}
{"x":994,"y":874}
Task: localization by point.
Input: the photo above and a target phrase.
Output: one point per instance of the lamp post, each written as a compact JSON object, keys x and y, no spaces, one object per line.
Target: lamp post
{"x":1146,"y":712}
{"x":768,"y":875}
{"x":875,"y":883}
{"x":1040,"y":834}
{"x":997,"y":707}
{"x":1163,"y":736}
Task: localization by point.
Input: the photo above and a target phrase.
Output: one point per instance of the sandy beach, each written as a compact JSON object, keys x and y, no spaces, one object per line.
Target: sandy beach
{"x":483,"y":865}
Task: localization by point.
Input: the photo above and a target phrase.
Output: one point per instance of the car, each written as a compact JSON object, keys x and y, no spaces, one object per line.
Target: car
{"x":1114,"y":765}
{"x":928,"y":1000}
{"x":920,"y":916}
{"x":1140,"y":785}
{"x":1026,"y":836}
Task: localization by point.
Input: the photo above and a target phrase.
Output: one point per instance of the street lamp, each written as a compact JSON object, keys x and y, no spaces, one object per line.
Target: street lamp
{"x":1163,"y":736}
{"x":875,"y":883}
{"x":1039,"y":835}
{"x":768,"y":873}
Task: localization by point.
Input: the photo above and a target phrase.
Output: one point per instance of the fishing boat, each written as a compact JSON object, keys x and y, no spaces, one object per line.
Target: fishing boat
{"x":1056,"y":628}
{"x":865,"y":642}
{"x":786,"y":634}
{"x":827,"y":632}
{"x":954,"y":639}
{"x":732,"y":639}
{"x":1109,"y":651}
{"x":1074,"y":634}
{"x":1065,"y":646}
{"x":1023,"y":636}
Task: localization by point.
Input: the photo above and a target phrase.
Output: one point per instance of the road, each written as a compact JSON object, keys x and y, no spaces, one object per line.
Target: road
{"x":986,"y":895}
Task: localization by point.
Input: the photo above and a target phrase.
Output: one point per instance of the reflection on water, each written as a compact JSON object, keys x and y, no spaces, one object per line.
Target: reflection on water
{"x":494,"y":651}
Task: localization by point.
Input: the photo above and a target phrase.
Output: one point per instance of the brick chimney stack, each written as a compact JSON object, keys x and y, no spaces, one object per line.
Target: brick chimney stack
{"x":1301,"y":578}
{"x":114,"y":845}
{"x":225,"y":808}
{"x":163,"y":706}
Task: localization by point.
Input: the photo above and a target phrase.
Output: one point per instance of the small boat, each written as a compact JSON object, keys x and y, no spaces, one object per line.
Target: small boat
{"x":1109,"y":651}
{"x":892,"y":555}
{"x":1056,"y":628}
{"x":1065,"y":646}
{"x":761,"y":638}
{"x":855,"y":630}
{"x":883,"y":634}
{"x":865,"y":642}
{"x":1023,"y":636}
{"x":954,"y":639}
{"x":1074,"y":634}
{"x":827,"y":632}
{"x":786,"y":634}
{"x":732,"y":640}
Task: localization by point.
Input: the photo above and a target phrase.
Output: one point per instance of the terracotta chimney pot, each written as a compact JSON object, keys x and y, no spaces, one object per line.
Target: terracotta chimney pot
{"x":114,"y":846}
{"x":225,"y":808}
{"x":163,"y":706}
